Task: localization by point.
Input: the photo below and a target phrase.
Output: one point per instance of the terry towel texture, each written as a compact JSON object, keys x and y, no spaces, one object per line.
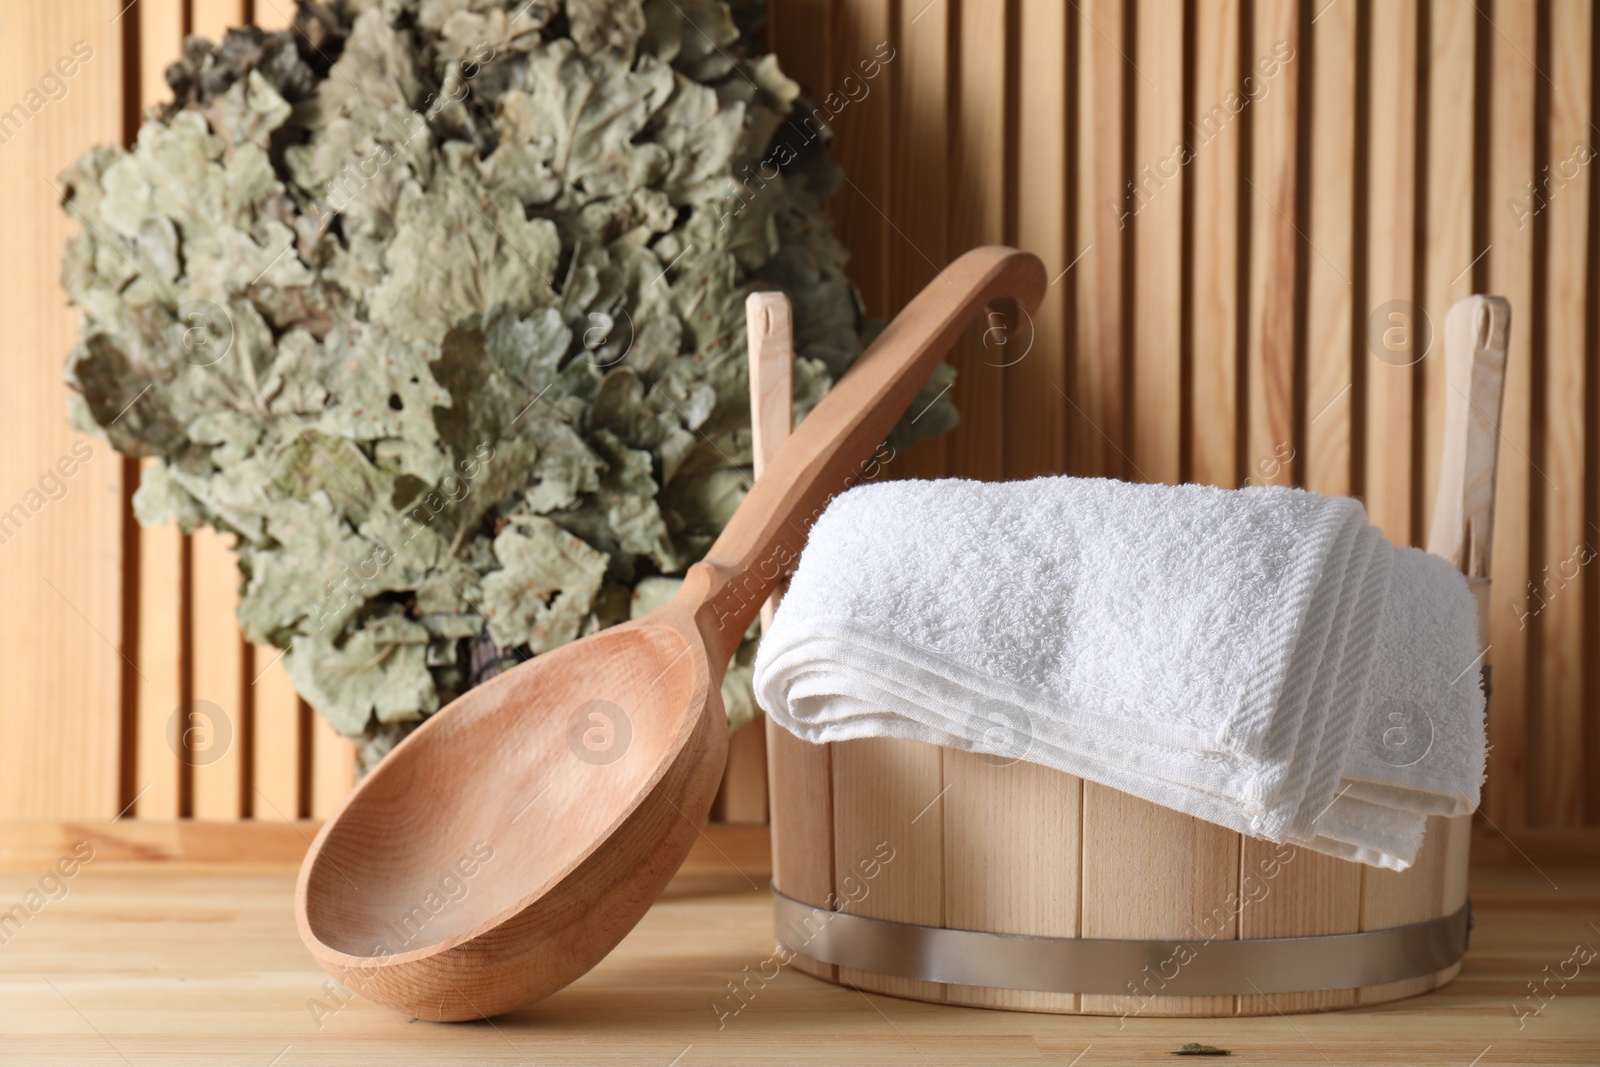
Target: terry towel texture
{"x":1260,"y":658}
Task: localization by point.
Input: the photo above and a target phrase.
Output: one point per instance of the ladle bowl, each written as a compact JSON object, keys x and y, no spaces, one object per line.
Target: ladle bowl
{"x":508,"y":844}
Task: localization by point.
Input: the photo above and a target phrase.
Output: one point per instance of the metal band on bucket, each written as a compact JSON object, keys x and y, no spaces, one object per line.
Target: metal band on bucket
{"x":1117,"y":967}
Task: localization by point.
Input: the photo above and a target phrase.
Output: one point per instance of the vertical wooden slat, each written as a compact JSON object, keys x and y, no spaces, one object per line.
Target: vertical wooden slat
{"x":219,"y":712}
{"x":333,"y":767}
{"x":1294,"y":892}
{"x":800,"y":784}
{"x":861,"y":207}
{"x":161,"y":667}
{"x":1156,"y":201}
{"x":160,"y":42}
{"x":919,"y":190}
{"x":272,"y":14}
{"x":1035,"y":422}
{"x":1095,"y":415}
{"x":1398,"y":898}
{"x":161,"y":548}
{"x":61,"y":564}
{"x":1274,"y":246}
{"x":800,"y":33}
{"x":977,"y":217}
{"x":1011,"y":861}
{"x":1448,"y":199}
{"x":769,"y":326}
{"x":212,"y":19}
{"x":1389,"y":319}
{"x":1590,"y":712}
{"x":742,"y":797}
{"x":1511,"y":166}
{"x":1557,"y":767}
{"x":887,"y":791}
{"x":215,"y":721}
{"x":1214,"y":137}
{"x":1331,"y":265}
{"x":274,"y":705}
{"x":276,"y":752}
{"x":1149,"y":871}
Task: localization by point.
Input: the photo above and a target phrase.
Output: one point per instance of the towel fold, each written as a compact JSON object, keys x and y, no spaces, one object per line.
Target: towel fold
{"x":1260,"y":658}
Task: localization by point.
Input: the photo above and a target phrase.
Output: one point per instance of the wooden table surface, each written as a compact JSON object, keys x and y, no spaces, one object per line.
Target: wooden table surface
{"x":199,"y":963}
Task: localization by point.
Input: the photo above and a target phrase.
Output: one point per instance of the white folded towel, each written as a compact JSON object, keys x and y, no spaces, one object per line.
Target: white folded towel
{"x":1260,"y":658}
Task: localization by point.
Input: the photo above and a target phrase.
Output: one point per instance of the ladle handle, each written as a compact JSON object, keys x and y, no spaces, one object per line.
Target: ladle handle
{"x":834,"y":447}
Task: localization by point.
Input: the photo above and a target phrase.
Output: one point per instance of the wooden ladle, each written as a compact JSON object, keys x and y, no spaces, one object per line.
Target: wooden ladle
{"x":507,"y":845}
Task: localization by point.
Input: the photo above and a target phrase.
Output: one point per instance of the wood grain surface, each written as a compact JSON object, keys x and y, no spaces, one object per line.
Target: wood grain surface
{"x":125,"y":968}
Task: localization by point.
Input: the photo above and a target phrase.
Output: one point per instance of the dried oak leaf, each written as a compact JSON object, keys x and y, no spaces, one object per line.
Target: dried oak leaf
{"x":544,"y":587}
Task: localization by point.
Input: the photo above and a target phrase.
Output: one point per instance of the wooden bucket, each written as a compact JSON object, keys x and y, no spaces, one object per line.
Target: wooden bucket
{"x":882,"y":848}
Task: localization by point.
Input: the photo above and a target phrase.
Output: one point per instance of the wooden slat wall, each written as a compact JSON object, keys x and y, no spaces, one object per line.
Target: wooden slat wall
{"x":65,"y":628}
{"x":1220,"y":326}
{"x":157,"y":706}
{"x":1215,"y":325}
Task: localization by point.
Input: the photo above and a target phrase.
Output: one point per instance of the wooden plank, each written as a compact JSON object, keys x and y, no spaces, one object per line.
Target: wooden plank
{"x":219,"y":708}
{"x":1157,"y":209}
{"x":1215,"y":139}
{"x":1036,"y":366}
{"x":769,"y":327}
{"x":162,"y":562}
{"x":275,"y":792}
{"x":1390,"y":319}
{"x":721,"y":851}
{"x":800,"y":31}
{"x":1557,"y":766}
{"x":160,"y":43}
{"x":1510,"y":260}
{"x":977,"y":217}
{"x":1293,"y":892}
{"x":1459,"y":830}
{"x":1475,"y":338}
{"x":1590,"y":712}
{"x":37,"y":845}
{"x":61,"y":494}
{"x":886,"y":792}
{"x":212,"y":19}
{"x":1528,"y":849}
{"x":797,"y":776}
{"x":1448,"y":201}
{"x":333,"y":768}
{"x":275,"y":706}
{"x":1011,"y":861}
{"x":131,"y":945}
{"x":272,"y":15}
{"x":1399,"y":898}
{"x":919,"y":183}
{"x":142,"y":922}
{"x":861,"y":205}
{"x":163,"y":552}
{"x":800,"y":780}
{"x":1272,"y":437}
{"x":1097,"y":437}
{"x":216,"y":719}
{"x":1330,"y":268}
{"x":1149,"y":871}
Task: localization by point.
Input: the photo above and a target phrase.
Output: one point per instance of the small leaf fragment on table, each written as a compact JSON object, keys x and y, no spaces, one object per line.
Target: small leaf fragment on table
{"x":1195,"y":1048}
